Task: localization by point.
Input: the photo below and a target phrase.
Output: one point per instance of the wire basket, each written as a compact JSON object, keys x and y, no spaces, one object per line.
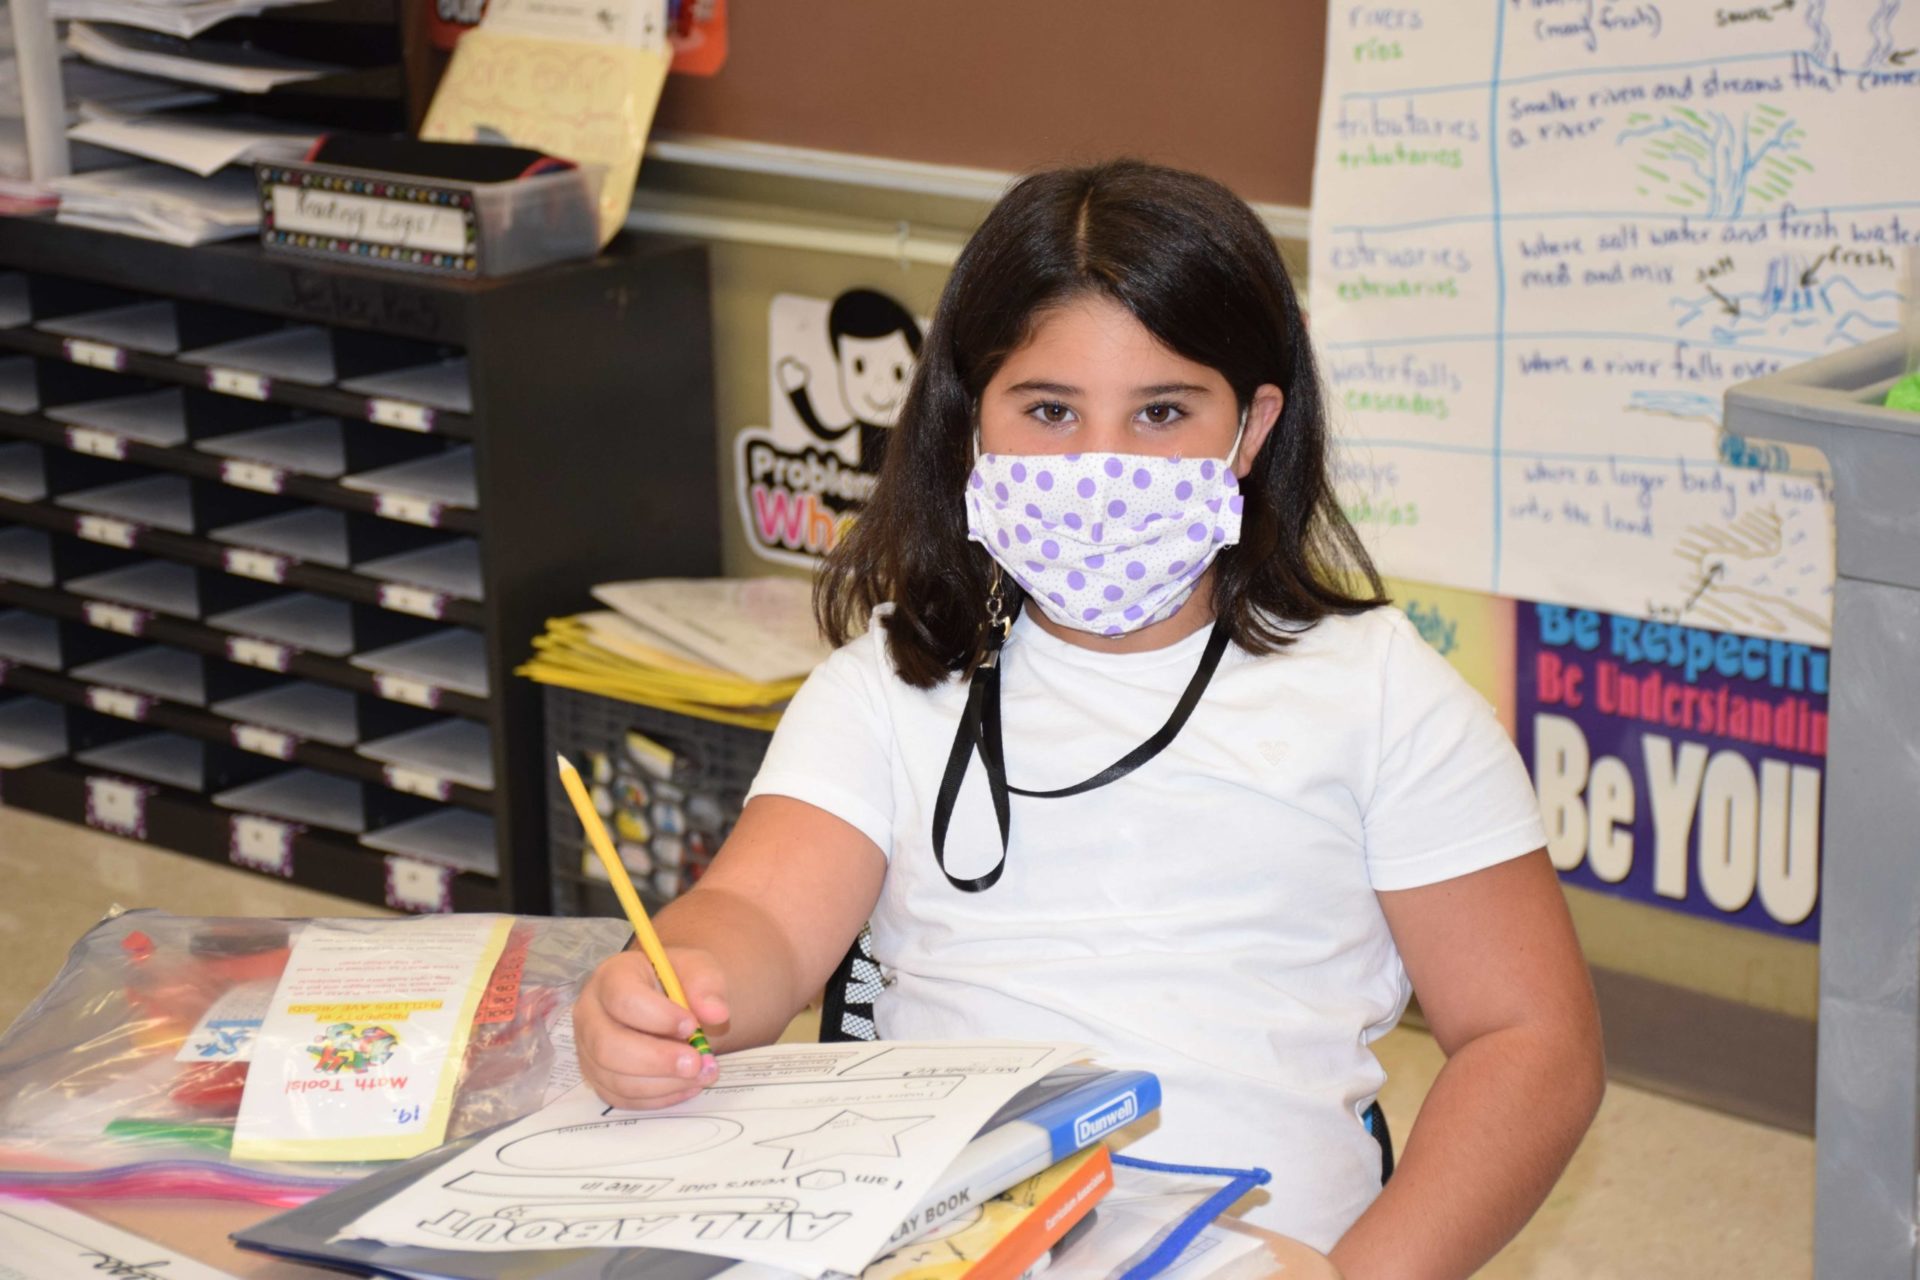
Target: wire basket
{"x":670,"y":787}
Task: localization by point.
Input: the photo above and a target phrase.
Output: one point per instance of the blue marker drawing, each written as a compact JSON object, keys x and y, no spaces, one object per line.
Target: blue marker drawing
{"x":1793,"y":303}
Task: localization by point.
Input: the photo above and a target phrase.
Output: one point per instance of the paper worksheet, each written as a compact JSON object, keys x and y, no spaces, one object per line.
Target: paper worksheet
{"x":801,"y":1156}
{"x":42,"y":1241}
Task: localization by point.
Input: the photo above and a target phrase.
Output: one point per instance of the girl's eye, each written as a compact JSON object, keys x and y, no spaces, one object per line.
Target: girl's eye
{"x":1163,"y":414}
{"x":1052,"y":412}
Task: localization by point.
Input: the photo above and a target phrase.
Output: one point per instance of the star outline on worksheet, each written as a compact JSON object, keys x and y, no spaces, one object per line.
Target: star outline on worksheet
{"x":847,"y":1133}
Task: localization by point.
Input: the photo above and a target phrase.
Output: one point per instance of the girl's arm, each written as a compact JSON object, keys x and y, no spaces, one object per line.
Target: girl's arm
{"x":751,"y":943}
{"x":1505,"y":990}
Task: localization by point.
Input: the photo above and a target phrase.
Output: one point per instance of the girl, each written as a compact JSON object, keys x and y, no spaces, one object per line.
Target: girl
{"x":1132,"y":753}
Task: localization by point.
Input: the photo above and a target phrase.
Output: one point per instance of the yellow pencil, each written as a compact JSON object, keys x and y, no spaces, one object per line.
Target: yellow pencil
{"x":629,"y":900}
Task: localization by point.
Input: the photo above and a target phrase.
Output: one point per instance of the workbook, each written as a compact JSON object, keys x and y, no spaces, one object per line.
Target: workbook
{"x":1070,"y":1109}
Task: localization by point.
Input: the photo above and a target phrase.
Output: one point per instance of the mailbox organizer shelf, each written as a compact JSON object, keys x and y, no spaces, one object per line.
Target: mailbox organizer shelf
{"x":274,"y":534}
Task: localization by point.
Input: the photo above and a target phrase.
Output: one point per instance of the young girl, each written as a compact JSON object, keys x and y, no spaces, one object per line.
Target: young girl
{"x":1132,"y":753}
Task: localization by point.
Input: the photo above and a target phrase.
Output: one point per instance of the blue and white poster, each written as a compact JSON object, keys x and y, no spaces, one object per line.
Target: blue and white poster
{"x":1548,"y":234}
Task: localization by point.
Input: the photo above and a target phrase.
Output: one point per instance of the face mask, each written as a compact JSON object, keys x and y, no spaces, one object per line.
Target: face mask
{"x":1105,"y":542}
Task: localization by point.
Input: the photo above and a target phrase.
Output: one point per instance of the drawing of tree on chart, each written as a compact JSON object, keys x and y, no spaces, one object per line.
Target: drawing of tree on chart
{"x":1548,"y":234}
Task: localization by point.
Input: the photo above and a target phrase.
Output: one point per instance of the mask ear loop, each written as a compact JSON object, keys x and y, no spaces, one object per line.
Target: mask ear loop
{"x":1233,"y":453}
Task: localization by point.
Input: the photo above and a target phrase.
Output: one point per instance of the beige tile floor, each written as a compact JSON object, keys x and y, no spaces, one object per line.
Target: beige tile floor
{"x":1659,"y":1189}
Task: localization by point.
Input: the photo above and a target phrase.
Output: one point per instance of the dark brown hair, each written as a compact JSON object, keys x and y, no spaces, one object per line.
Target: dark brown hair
{"x":1197,"y":268}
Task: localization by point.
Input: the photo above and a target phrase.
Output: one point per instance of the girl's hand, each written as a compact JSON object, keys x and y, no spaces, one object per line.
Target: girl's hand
{"x":633,"y":1040}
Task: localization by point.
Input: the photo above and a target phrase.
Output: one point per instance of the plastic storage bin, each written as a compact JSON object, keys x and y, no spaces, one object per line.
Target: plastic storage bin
{"x":669,"y":786}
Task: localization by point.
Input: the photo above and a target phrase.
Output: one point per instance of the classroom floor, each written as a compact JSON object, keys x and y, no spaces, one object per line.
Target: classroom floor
{"x":1659,"y":1189}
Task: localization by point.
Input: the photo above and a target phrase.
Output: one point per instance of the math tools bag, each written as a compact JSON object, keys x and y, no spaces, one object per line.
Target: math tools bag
{"x":126,"y":1077}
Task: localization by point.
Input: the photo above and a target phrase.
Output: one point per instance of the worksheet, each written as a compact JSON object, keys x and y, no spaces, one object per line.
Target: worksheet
{"x":801,"y":1156}
{"x":44,"y":1241}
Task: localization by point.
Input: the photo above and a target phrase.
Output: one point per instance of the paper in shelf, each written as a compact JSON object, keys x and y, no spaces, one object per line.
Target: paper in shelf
{"x":456,"y":749}
{"x":230,"y":65}
{"x":158,"y":418}
{"x":26,"y":555}
{"x":32,"y":731}
{"x":454,"y":658}
{"x":457,"y":838}
{"x":158,"y":202}
{"x":302,"y":708}
{"x":308,"y":447}
{"x":23,"y":473}
{"x":446,"y":477}
{"x":182,"y":18}
{"x":160,"y":585}
{"x":577,"y":79}
{"x":164,"y":502}
{"x":310,"y":533}
{"x":19,"y":393}
{"x":30,"y":639}
{"x":152,"y":327}
{"x":451,"y":567}
{"x":157,"y":670}
{"x":442,"y":385}
{"x":201,"y":143}
{"x":300,"y":353}
{"x":305,"y":796}
{"x":168,"y":758}
{"x":299,"y":618}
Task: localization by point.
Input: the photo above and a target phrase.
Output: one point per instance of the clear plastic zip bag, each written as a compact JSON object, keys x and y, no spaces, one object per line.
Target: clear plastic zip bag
{"x":123,"y":1078}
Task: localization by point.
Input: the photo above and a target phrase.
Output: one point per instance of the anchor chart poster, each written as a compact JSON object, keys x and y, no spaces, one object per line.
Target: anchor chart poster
{"x":1548,"y":234}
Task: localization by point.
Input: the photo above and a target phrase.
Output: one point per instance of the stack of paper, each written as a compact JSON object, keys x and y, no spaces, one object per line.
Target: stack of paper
{"x":181,"y":18}
{"x":200,"y":143}
{"x":157,"y":202}
{"x":734,"y":651}
{"x":219,"y":64}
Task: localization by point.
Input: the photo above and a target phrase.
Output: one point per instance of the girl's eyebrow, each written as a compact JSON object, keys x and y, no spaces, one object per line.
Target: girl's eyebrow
{"x":1062,"y":389}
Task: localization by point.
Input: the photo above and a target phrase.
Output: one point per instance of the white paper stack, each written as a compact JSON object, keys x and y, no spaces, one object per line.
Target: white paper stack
{"x":201,"y":144}
{"x":183,"y":19}
{"x":218,"y":64}
{"x":158,"y":202}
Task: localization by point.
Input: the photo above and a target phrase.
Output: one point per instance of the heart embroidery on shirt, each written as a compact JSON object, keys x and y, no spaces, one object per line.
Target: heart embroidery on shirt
{"x":1273,"y":752}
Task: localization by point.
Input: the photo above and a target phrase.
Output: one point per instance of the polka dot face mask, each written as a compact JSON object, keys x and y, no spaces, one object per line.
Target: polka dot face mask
{"x":1104,"y":542}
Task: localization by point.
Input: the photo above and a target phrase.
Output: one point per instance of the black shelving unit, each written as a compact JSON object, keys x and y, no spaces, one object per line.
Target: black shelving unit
{"x":135,"y":556}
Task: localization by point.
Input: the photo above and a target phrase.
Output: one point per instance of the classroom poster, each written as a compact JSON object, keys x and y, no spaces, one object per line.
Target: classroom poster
{"x":837,"y":373}
{"x":1548,"y":234}
{"x":1676,"y":765}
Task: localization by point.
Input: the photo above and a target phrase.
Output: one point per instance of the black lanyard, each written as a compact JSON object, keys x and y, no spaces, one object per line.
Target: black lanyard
{"x":980,"y":727}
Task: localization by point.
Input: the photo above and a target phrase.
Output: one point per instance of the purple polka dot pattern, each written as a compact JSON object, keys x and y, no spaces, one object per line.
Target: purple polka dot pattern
{"x":1095,"y":561}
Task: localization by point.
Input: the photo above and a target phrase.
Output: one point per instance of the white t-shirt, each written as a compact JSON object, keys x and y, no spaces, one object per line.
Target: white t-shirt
{"x":1211,"y":916}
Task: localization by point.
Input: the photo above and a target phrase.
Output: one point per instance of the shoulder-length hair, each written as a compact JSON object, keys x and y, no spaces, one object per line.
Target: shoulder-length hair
{"x":1197,"y":268}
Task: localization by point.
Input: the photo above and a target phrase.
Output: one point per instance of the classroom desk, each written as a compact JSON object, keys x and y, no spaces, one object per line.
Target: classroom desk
{"x":199,"y":1229}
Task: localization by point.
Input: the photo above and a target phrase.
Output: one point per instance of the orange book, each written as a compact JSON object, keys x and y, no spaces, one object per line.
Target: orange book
{"x":1006,"y":1235}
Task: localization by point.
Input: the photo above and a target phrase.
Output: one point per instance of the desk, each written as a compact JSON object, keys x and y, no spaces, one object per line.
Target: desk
{"x":200,"y":1228}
